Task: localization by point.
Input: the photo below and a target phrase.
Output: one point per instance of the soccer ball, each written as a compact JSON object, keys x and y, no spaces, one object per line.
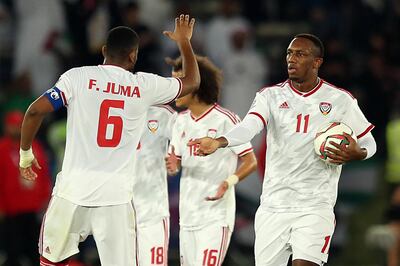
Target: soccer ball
{"x":331,"y":132}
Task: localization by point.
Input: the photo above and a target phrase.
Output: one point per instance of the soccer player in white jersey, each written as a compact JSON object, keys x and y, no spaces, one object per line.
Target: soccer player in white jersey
{"x":206,"y":194}
{"x":150,"y":191}
{"x":299,"y":191}
{"x":107,"y":107}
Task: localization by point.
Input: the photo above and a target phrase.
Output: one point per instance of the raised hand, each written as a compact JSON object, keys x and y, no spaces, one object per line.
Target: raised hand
{"x":223,"y":187}
{"x":206,"y":145}
{"x":28,"y":173}
{"x":172,"y":162}
{"x":345,"y":153}
{"x":183,"y":29}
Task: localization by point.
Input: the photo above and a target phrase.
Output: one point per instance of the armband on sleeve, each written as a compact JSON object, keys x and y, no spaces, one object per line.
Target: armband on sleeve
{"x":56,"y":97}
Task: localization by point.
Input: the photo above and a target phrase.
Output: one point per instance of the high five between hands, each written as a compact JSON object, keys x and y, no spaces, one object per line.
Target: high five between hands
{"x":183,"y":32}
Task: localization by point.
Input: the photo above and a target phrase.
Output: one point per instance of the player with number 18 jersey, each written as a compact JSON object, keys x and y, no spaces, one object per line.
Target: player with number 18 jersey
{"x":150,"y":191}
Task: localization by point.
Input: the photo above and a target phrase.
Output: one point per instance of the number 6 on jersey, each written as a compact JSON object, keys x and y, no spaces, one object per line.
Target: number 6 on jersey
{"x":105,"y":120}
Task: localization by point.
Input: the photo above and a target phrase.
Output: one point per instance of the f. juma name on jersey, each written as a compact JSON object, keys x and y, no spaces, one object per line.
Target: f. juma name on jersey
{"x":113,"y":88}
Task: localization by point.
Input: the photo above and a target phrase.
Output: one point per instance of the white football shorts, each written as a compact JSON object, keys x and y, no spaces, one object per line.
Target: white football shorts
{"x":152,"y":243}
{"x":65,"y":225}
{"x":306,"y":235}
{"x":206,"y":246}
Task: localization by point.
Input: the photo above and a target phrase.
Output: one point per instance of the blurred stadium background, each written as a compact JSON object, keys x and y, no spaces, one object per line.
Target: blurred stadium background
{"x":40,"y":39}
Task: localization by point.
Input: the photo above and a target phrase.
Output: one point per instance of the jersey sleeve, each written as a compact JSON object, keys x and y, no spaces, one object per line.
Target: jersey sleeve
{"x":259,"y":108}
{"x":165,"y":90}
{"x":60,"y":94}
{"x":355,"y":119}
{"x":175,"y":140}
{"x":242,"y":149}
{"x":170,"y":123}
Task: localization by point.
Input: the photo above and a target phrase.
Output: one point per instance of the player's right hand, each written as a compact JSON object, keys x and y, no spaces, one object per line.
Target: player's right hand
{"x":171,"y":162}
{"x":206,"y":145}
{"x":28,"y":173}
{"x":183,"y":29}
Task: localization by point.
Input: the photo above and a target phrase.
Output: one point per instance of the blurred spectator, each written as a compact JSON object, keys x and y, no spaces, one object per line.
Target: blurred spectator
{"x":155,"y":13}
{"x":387,"y":236}
{"x":40,"y":23}
{"x":21,"y":201}
{"x":244,"y":71}
{"x":56,"y":136}
{"x":220,"y":28}
{"x":149,"y":56}
{"x":6,"y":42}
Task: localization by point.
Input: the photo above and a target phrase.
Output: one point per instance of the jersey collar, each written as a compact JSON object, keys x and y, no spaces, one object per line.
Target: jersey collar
{"x":202,"y":115}
{"x":306,"y":94}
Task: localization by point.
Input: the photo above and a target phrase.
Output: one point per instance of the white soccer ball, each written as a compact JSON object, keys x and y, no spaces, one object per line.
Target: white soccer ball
{"x":331,"y":132}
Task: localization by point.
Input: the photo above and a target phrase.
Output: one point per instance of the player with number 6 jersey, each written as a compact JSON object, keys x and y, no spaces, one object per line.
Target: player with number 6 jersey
{"x":150,"y":191}
{"x":296,"y":215}
{"x":206,"y":194}
{"x":106,"y":112}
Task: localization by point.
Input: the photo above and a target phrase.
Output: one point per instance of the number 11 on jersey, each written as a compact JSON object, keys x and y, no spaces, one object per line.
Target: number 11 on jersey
{"x":302,"y":128}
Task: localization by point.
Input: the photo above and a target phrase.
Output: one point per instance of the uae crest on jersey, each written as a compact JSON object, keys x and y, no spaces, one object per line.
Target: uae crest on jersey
{"x":325,"y":108}
{"x":212,"y":133}
{"x":152,"y":125}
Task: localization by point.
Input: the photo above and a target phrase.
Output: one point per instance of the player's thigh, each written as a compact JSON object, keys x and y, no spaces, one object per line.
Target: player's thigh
{"x":152,"y":243}
{"x":187,"y":247}
{"x":114,"y":232}
{"x":212,"y":243}
{"x":311,"y":236}
{"x":64,"y":226}
{"x":272,"y":236}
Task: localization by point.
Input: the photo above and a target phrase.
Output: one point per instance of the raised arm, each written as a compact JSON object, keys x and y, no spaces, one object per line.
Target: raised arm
{"x":182,"y":35}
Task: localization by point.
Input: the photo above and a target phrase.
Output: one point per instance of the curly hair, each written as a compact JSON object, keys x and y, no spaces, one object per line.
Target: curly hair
{"x":211,"y":78}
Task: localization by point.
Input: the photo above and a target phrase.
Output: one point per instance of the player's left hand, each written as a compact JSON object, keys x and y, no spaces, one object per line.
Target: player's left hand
{"x":345,"y":153}
{"x":28,"y":173}
{"x":223,"y":187}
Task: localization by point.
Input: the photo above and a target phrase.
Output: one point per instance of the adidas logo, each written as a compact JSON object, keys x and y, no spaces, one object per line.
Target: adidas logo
{"x":47,"y":250}
{"x":284,"y":105}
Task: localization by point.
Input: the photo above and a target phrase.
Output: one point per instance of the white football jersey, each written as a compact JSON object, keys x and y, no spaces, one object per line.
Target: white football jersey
{"x":295,"y":178}
{"x":107,"y":108}
{"x":201,"y":176}
{"x":150,"y":191}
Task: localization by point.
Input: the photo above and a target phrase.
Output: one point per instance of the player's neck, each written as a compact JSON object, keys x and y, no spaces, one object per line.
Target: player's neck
{"x":125,"y":66}
{"x":197,"y":109}
{"x":307,"y":85}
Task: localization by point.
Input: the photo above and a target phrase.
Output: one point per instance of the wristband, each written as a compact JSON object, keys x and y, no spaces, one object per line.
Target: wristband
{"x":232,"y":180}
{"x":25,"y":158}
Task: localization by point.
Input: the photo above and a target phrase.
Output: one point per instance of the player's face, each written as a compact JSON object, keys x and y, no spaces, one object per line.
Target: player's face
{"x":302,"y":64}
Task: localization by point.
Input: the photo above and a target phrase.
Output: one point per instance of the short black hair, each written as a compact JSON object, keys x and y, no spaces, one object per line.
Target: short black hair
{"x":211,"y":78}
{"x":121,"y":41}
{"x":315,"y":40}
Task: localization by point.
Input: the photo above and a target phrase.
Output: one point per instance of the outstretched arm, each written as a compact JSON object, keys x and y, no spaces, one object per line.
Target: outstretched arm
{"x":240,"y":134}
{"x":247,"y":166}
{"x":182,"y":35}
{"x":32,"y":121}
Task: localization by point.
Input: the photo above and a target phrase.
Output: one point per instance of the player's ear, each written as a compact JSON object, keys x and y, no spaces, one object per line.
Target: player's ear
{"x":104,"y":51}
{"x":318,"y":62}
{"x":133,"y":55}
